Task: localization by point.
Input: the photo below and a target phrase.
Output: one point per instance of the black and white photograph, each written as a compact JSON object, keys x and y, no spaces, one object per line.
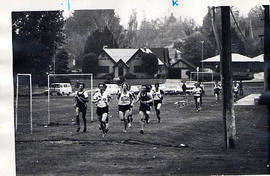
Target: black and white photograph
{"x":165,"y":87}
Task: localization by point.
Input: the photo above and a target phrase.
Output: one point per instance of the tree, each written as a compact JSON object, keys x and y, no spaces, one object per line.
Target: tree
{"x":132,"y":30}
{"x":150,"y":63}
{"x":99,"y":39}
{"x":90,"y":63}
{"x":83,"y":23}
{"x":192,"y":48}
{"x":61,"y":62}
{"x":163,"y":32}
{"x":35,"y":36}
{"x":251,"y":27}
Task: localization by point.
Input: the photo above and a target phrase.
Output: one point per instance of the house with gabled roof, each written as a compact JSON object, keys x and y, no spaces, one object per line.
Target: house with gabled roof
{"x":180,"y":69}
{"x":123,"y":62}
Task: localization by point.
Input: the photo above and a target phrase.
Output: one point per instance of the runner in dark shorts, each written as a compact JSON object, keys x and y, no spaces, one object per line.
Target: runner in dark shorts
{"x":102,"y":99}
{"x":81,"y":98}
{"x":197,"y":91}
{"x":124,"y":98}
{"x":146,"y":100}
{"x":157,"y":94}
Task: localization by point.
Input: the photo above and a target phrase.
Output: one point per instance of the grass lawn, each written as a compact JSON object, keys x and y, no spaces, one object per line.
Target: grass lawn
{"x":185,"y":142}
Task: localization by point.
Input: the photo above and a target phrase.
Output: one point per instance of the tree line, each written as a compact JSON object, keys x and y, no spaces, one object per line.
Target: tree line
{"x":44,"y":41}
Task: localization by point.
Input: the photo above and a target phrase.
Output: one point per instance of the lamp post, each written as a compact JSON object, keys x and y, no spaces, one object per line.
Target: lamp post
{"x":54,"y":50}
{"x":54,"y":53}
{"x":202,"y":42}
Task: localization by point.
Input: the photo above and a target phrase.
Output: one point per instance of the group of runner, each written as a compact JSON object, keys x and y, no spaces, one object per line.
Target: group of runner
{"x":237,"y":89}
{"x":148,"y":97}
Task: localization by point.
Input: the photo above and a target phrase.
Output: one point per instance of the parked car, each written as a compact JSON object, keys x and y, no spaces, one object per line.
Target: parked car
{"x":172,"y":89}
{"x":191,"y":85}
{"x":59,"y":89}
{"x":134,"y":89}
{"x":112,"y":88}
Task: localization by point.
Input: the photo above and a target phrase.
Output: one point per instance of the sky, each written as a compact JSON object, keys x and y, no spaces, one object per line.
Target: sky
{"x":151,"y":9}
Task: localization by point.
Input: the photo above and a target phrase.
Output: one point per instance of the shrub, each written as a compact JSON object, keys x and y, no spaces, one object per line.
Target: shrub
{"x":108,"y":76}
{"x":130,"y":76}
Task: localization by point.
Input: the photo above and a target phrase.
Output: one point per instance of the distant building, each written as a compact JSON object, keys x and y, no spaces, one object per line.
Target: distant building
{"x":181,"y":69}
{"x":239,"y":63}
{"x":243,"y":67}
{"x":123,"y":62}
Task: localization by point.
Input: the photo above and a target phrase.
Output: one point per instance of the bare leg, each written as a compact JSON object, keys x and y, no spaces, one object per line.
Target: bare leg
{"x":158,"y":111}
{"x":103,"y":123}
{"x":84,"y":119}
{"x":142,"y":121}
{"x":77,"y":119}
{"x":126,"y":120}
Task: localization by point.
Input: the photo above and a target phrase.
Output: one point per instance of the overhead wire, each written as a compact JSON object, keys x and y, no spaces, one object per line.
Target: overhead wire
{"x":243,"y":36}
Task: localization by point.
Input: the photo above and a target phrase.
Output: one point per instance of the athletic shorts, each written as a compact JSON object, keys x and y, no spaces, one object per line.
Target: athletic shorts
{"x":82,"y":107}
{"x":216,"y":92}
{"x":101,"y":111}
{"x":123,"y":108}
{"x":196,"y":97}
{"x":144,"y":108}
{"x":156,"y":102}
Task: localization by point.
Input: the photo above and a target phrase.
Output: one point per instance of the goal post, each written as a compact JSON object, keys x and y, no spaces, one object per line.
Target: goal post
{"x":70,"y":75}
{"x":17,"y":100}
{"x":198,"y":74}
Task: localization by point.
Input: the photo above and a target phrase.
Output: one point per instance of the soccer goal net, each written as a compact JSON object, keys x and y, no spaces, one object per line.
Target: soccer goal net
{"x":23,"y":105}
{"x":61,"y":90}
{"x":202,"y":76}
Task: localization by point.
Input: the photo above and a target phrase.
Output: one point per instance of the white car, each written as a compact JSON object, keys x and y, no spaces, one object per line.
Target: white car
{"x":191,"y":85}
{"x":112,"y":88}
{"x":134,"y":89}
{"x":172,"y":89}
{"x":59,"y":89}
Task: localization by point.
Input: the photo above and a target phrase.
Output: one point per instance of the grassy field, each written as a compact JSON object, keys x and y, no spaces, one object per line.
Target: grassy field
{"x":185,"y":142}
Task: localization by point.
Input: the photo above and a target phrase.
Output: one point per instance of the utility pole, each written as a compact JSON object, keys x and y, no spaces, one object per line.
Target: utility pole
{"x":54,"y":59}
{"x":226,"y":78}
{"x":267,"y":73}
{"x":266,"y":48}
{"x":265,"y":97}
{"x":54,"y":50}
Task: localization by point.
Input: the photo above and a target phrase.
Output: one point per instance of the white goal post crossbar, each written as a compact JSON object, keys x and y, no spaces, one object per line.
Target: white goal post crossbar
{"x":17,"y":100}
{"x":212,"y":75}
{"x":91,"y":90}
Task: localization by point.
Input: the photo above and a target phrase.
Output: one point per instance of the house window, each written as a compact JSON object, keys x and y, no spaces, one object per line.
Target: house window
{"x":139,"y":69}
{"x":104,"y":69}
